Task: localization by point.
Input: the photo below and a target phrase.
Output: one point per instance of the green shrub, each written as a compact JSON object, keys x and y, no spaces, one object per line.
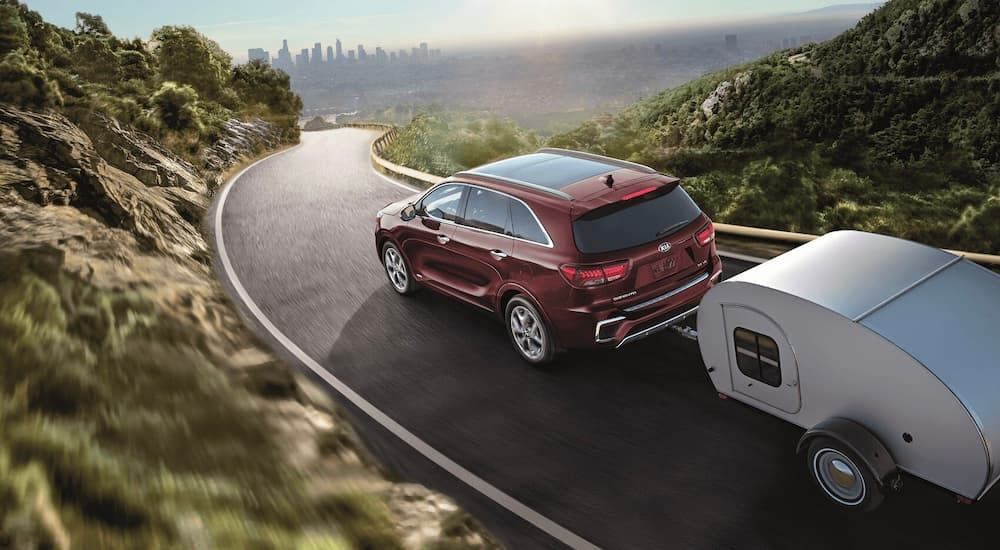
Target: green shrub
{"x":363,"y":519}
{"x":177,"y":106}
{"x":23,"y":83}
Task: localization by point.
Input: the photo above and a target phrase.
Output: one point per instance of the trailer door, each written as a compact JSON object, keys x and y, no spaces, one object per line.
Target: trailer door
{"x":761,"y":362}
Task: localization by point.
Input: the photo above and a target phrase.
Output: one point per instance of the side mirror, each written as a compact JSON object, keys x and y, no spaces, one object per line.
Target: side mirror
{"x":408,"y":213}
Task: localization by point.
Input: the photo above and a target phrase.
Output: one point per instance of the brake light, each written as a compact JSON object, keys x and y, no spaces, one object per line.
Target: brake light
{"x":585,"y":276}
{"x":614,"y":272}
{"x":639,"y":193}
{"x":706,"y":234}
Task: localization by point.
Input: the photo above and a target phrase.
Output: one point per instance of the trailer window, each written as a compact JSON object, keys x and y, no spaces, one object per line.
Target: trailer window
{"x":757,"y":356}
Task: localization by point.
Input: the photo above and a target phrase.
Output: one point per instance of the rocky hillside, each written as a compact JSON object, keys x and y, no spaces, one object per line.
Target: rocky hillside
{"x":130,"y":392}
{"x":136,"y":410}
{"x":892,"y":127}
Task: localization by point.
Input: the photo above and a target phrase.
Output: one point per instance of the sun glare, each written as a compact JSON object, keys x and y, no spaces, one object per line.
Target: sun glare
{"x":541,"y":18}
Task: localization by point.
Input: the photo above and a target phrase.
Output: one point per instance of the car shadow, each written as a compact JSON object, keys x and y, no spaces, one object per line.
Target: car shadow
{"x":628,"y":448}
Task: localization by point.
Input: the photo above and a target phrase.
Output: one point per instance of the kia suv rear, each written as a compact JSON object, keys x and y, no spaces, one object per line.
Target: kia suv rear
{"x":571,"y":250}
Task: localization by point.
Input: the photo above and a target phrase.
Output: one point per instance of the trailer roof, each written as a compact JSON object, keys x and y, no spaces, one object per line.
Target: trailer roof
{"x":850,"y":272}
{"x":951,"y":324}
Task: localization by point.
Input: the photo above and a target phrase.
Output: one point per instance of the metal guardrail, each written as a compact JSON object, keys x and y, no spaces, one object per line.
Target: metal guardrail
{"x":424,"y":179}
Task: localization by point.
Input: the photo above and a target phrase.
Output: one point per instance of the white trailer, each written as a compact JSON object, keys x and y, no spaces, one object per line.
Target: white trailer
{"x":886,"y":351}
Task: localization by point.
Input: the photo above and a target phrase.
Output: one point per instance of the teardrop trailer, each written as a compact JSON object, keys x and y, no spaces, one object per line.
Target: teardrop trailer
{"x":886,"y":351}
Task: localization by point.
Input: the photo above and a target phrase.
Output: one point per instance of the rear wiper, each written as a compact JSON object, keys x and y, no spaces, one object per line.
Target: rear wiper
{"x":671,"y":228}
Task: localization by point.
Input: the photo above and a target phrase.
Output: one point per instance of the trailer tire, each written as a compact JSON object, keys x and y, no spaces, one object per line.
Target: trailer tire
{"x":842,"y":477}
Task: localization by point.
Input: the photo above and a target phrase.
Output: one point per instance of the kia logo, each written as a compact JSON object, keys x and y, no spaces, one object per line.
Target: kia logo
{"x":664,"y":247}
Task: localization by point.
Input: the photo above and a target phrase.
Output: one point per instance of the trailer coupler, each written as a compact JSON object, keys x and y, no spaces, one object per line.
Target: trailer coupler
{"x":895,"y":483}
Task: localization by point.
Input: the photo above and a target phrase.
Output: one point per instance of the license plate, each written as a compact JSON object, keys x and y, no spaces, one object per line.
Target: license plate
{"x":664,"y":267}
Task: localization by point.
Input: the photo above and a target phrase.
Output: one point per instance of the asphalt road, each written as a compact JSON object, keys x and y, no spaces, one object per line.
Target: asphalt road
{"x":626,"y":449}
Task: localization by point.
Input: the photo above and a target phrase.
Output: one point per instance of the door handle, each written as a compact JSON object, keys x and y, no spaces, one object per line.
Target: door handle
{"x":498,"y":254}
{"x":443,"y":239}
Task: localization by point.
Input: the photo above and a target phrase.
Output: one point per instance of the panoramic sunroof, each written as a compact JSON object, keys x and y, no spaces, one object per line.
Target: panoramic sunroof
{"x":546,"y":169}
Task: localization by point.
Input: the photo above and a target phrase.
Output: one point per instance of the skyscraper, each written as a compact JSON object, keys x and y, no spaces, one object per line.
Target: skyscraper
{"x":329,"y":55}
{"x":340,"y":52}
{"x":317,"y":55}
{"x":302,"y":60}
{"x":423,"y":50}
{"x":284,"y":60}
{"x":362,"y":54}
{"x":259,"y":54}
{"x":350,"y":56}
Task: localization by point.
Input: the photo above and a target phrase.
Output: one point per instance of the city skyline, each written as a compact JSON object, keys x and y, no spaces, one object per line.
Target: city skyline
{"x":396,"y":24}
{"x":285,"y":60}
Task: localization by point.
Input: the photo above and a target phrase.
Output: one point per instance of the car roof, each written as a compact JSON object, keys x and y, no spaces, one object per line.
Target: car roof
{"x":577,"y":179}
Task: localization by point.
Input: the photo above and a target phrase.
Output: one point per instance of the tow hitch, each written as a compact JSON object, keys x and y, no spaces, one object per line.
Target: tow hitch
{"x":685,"y":332}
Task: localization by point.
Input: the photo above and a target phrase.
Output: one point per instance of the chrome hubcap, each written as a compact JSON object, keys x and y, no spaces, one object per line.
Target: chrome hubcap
{"x":527,"y":332}
{"x":396,"y":269}
{"x":839,"y":477}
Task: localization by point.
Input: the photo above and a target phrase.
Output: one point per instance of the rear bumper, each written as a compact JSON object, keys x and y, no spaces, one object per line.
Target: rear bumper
{"x":613,"y":328}
{"x":644,"y":329}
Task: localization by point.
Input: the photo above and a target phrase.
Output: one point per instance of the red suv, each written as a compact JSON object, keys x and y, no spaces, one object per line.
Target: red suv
{"x":572,"y":250}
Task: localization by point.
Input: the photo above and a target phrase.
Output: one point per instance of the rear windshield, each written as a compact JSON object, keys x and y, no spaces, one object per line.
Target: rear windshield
{"x":634,"y":222}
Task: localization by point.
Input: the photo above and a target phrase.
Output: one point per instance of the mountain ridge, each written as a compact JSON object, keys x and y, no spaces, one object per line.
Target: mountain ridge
{"x":842,"y":8}
{"x":890,"y":127}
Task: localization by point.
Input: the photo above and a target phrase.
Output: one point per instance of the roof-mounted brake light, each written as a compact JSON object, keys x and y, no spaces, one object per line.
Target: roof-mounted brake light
{"x":639,"y":193}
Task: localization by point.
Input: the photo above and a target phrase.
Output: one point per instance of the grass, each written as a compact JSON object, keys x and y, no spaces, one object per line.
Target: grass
{"x":119,"y":424}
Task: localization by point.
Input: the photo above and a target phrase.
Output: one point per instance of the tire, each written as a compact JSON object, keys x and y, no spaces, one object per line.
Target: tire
{"x":528,"y":332}
{"x":842,"y":477}
{"x":397,"y":270}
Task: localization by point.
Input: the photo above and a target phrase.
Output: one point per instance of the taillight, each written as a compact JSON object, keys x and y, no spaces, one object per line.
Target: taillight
{"x":706,"y":234}
{"x":585,"y":276}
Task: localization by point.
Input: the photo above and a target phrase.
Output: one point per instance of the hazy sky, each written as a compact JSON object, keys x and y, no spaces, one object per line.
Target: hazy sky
{"x":393,"y":24}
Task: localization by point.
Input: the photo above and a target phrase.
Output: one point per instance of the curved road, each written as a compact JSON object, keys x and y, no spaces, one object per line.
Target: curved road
{"x":627,"y":449}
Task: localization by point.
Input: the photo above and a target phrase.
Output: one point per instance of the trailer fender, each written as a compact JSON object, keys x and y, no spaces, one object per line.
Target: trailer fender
{"x":862,"y":442}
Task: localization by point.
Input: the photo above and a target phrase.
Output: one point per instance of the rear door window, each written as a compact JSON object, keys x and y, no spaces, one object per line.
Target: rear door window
{"x":634,"y":222}
{"x":487,"y":210}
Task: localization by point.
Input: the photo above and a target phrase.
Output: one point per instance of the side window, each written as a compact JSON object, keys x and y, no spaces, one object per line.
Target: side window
{"x":757,"y":356}
{"x":487,"y":210}
{"x":524,"y":225}
{"x":443,"y":203}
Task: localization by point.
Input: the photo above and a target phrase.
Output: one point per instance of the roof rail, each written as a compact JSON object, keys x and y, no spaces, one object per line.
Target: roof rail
{"x":527,"y":184}
{"x":597,"y":158}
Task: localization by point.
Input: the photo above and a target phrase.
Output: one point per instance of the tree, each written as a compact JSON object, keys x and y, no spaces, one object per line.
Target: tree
{"x":91,"y":24}
{"x":94,"y":59}
{"x":13,"y":33}
{"x":132,"y":65}
{"x":257,"y":83}
{"x":187,"y":57}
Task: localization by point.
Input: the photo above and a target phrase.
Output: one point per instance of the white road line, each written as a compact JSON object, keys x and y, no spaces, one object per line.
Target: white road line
{"x":743,"y":257}
{"x":472,"y":480}
{"x":394,"y":182}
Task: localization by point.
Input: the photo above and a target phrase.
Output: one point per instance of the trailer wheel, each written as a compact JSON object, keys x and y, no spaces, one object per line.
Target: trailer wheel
{"x":842,"y":477}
